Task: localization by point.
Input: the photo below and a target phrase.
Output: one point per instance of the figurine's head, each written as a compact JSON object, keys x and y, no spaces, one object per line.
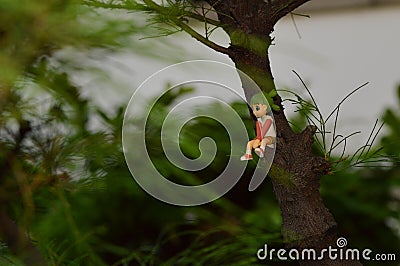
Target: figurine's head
{"x":259,"y":104}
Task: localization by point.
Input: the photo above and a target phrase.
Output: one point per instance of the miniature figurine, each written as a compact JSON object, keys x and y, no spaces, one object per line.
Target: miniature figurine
{"x":264,"y":128}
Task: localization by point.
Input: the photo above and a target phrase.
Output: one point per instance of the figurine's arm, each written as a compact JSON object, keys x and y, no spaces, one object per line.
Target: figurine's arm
{"x":267,"y":140}
{"x":258,"y":131}
{"x":266,"y":127}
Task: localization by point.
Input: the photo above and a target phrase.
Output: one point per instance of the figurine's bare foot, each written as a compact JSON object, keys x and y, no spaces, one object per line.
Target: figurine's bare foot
{"x":246,"y":157}
{"x":259,"y":152}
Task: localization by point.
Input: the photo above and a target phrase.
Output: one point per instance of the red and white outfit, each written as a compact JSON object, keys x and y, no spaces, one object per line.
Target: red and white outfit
{"x":264,"y":128}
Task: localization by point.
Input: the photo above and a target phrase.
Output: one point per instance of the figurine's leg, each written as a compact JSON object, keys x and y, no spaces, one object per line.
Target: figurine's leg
{"x":250,"y":145}
{"x":255,"y":143}
{"x":261,"y":150}
{"x":247,"y":156}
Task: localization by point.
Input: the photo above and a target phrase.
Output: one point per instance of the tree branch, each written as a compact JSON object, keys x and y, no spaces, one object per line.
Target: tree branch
{"x":201,"y":38}
{"x":185,"y":27}
{"x":150,"y":5}
{"x":202,"y":18}
{"x":281,"y":8}
{"x":112,"y":5}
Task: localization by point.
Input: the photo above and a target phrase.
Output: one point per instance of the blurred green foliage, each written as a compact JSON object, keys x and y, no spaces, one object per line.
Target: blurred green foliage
{"x":67,"y":197}
{"x":84,"y":208}
{"x":32,"y":29}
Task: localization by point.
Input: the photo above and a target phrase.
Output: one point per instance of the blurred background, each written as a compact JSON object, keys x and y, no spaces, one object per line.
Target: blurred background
{"x":67,"y":72}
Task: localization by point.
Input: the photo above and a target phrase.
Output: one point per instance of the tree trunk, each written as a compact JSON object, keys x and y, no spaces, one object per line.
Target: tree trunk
{"x":295,"y":172}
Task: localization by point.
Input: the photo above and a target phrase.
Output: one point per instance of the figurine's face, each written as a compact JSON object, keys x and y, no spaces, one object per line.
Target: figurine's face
{"x":259,"y":110}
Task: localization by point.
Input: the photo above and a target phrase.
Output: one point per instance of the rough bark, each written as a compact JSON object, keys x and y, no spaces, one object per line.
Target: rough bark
{"x":296,"y":172}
